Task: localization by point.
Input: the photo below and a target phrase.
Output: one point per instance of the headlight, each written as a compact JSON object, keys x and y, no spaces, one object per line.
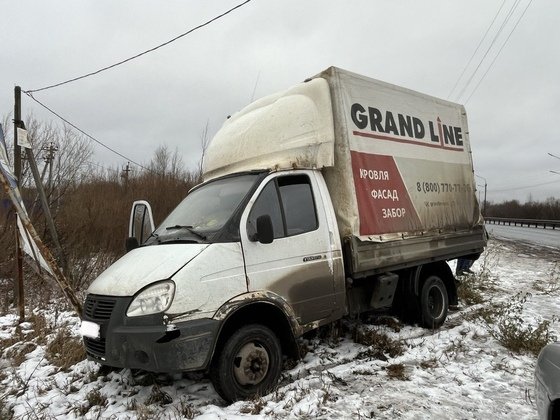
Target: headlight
{"x":152,"y":300}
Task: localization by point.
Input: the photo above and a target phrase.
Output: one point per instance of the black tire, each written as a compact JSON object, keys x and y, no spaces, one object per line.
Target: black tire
{"x":434,"y":302}
{"x":248,"y":364}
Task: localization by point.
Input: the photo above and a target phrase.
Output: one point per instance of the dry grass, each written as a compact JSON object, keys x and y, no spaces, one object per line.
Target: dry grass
{"x":429,"y":364}
{"x":65,"y":350}
{"x":18,"y":353}
{"x":380,"y":346}
{"x":186,"y":410}
{"x":159,"y":397}
{"x":6,"y":412}
{"x":253,"y":407}
{"x":388,"y":321}
{"x":397,"y":371}
{"x":93,"y":398}
{"x":25,"y":340}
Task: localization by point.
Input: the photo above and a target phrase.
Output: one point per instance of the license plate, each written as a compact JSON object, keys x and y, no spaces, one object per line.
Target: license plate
{"x":89,"y":329}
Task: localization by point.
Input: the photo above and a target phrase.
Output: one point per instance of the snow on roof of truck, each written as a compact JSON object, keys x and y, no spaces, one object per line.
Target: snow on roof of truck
{"x":289,"y":129}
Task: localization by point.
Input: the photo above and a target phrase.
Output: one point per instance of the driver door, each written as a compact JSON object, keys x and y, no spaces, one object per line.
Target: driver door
{"x":298,"y":264}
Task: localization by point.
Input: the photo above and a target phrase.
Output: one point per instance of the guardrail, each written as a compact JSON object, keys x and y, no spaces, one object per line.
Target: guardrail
{"x":524,"y":222}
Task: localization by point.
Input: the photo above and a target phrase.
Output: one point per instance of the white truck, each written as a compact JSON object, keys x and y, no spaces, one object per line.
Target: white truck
{"x":340,"y":195}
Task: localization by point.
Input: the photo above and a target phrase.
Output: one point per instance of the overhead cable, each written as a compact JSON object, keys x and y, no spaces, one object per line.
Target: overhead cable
{"x":476,"y":50}
{"x":86,"y":134}
{"x":523,"y":188}
{"x":502,"y":26}
{"x":142,"y":53}
{"x":500,"y":50}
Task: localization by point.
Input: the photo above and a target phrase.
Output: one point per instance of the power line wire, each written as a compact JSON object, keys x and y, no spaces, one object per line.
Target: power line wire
{"x":90,"y":162}
{"x":476,"y":50}
{"x":504,"y":23}
{"x":142,"y":53}
{"x":523,"y":188}
{"x":500,"y":50}
{"x":86,"y":134}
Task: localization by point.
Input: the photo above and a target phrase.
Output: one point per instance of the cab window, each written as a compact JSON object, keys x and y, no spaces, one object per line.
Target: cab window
{"x":288,"y":200}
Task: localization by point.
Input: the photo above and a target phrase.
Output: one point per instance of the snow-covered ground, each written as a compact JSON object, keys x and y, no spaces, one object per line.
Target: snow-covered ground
{"x":458,"y":372}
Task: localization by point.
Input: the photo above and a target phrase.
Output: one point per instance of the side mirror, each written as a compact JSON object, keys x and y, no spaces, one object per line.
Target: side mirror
{"x":131,"y":243}
{"x":141,"y":223}
{"x":265,"y":230}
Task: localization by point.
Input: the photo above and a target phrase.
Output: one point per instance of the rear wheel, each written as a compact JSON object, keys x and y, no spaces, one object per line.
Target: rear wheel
{"x":434,"y":302}
{"x":248,"y":364}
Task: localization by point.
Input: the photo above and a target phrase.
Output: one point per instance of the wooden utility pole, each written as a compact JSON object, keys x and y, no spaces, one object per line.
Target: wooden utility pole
{"x":50,"y":160}
{"x":17,"y":172}
{"x":124,"y":175}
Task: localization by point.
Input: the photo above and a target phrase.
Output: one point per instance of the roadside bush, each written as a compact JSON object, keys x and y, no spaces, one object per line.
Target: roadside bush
{"x":469,"y":290}
{"x":551,"y":283}
{"x":473,"y":289}
{"x":506,"y":323}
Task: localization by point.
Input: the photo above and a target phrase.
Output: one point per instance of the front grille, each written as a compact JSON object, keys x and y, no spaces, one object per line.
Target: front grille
{"x":98,"y":307}
{"x":95,"y":348}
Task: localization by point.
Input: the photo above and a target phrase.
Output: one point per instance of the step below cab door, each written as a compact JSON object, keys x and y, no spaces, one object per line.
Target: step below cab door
{"x":298,"y":264}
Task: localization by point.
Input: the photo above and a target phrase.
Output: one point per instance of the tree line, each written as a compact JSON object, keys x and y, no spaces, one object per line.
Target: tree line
{"x":90,"y":204}
{"x":547,"y":210}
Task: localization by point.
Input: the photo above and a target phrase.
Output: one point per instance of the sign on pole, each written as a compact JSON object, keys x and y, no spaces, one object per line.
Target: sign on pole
{"x":22,"y":139}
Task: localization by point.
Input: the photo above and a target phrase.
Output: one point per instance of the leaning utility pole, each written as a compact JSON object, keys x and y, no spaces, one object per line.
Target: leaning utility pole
{"x":45,"y":204}
{"x":47,"y":256}
{"x":18,"y":282}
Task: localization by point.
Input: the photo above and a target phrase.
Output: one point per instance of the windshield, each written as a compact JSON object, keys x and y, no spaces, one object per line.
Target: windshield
{"x":205,"y":210}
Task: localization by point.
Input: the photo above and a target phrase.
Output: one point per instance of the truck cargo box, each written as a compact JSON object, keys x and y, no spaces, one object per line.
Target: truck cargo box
{"x":397,"y":164}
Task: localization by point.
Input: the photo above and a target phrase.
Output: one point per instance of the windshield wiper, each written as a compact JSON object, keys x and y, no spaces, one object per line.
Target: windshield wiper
{"x":189,"y":228}
{"x":152,"y":235}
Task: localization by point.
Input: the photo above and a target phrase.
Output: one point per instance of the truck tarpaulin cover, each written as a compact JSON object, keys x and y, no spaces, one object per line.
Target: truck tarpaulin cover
{"x":397,"y":163}
{"x":410,"y":159}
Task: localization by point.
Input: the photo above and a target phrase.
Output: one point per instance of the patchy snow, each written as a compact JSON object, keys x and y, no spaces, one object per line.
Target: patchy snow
{"x":459,"y":371}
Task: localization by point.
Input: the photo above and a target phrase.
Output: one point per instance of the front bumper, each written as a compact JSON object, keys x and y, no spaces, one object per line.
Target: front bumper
{"x":146,"y":342}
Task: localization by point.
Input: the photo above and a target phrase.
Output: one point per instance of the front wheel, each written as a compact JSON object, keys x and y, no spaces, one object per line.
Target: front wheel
{"x":434,"y":302}
{"x":248,"y":364}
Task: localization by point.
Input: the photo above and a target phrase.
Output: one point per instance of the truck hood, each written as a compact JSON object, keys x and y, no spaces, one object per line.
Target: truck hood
{"x":143,"y":266}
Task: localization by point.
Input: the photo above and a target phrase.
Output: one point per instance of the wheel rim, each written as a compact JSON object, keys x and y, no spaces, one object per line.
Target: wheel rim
{"x":251,"y":364}
{"x":435,"y":302}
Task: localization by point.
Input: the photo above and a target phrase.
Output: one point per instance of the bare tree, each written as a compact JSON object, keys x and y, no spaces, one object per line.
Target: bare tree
{"x":204,"y":142}
{"x":61,"y":151}
{"x":166,"y":163}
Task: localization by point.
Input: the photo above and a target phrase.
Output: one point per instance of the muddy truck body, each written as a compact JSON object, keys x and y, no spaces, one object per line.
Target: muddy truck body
{"x":340,"y":195}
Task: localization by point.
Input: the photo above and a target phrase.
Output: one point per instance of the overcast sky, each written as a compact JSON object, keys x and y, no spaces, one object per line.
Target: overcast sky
{"x":168,"y":96}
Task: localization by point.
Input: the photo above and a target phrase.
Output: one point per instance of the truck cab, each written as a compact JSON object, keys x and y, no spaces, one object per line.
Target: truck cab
{"x":253,"y":248}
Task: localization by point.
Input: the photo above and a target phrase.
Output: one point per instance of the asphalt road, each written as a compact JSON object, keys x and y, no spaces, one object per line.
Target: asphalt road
{"x":532,"y":235}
